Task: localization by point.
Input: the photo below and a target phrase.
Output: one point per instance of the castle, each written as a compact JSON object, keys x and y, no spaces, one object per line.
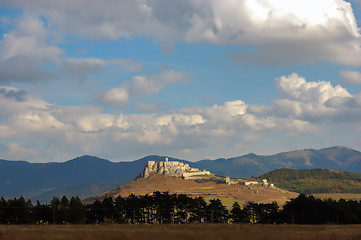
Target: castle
{"x":183,"y":170}
{"x":174,"y":169}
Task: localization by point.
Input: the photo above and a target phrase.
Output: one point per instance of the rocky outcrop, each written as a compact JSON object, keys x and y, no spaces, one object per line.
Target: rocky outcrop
{"x":174,"y":169}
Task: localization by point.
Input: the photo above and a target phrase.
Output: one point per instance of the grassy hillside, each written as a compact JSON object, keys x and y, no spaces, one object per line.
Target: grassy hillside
{"x":311,"y":181}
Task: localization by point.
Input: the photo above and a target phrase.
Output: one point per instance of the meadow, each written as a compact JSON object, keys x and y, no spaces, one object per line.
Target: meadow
{"x":180,"y":232}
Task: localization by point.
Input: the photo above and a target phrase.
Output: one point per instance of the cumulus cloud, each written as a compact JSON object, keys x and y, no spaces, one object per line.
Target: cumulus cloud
{"x":313,"y":102}
{"x":306,"y":108}
{"x":144,"y":86}
{"x":141,"y":86}
{"x":25,"y":50}
{"x":28,"y":39}
{"x":295,"y":87}
{"x":351,"y":76}
{"x":293,"y":31}
{"x":28,"y":52}
{"x":116,"y":97}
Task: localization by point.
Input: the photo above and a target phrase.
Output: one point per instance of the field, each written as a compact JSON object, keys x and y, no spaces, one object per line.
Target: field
{"x":180,"y":232}
{"x":337,"y":196}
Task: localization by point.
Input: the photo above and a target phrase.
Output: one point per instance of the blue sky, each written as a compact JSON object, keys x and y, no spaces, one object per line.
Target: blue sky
{"x":193,"y":79}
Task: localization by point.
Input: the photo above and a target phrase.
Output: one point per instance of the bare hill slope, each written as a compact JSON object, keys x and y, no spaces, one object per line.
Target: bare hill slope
{"x":207,"y":190}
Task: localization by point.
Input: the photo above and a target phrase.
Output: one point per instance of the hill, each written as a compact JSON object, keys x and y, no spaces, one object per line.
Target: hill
{"x":310,"y":181}
{"x":207,"y":190}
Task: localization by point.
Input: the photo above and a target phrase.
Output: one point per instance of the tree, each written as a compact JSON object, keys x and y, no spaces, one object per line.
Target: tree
{"x":55,"y":209}
{"x":108,"y":208}
{"x":42,"y":213}
{"x":64,"y":210}
{"x":236,"y":213}
{"x":216,"y":212}
{"x":183,"y":208}
{"x":3,"y":207}
{"x":94,"y":212}
{"x":305,"y":210}
{"x":132,"y":212}
{"x":77,"y":212}
{"x":119,"y":210}
{"x":198,"y":210}
{"x":19,"y":211}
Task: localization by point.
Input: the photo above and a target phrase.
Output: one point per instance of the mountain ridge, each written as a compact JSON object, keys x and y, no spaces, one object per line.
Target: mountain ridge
{"x":33,"y":180}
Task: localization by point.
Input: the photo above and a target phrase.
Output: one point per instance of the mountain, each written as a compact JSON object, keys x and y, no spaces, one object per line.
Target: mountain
{"x":338,"y":158}
{"x":35,"y":179}
{"x":83,"y":176}
{"x":311,"y":181}
{"x":87,"y":175}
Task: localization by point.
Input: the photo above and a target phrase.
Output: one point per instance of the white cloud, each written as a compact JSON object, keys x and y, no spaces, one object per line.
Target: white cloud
{"x":144,"y":107}
{"x":307,"y":110}
{"x":293,"y":31}
{"x":295,"y":87}
{"x":87,"y":65}
{"x":116,"y":97}
{"x":18,"y":152}
{"x":81,"y":67}
{"x":312,"y":102}
{"x":351,"y":76}
{"x":28,"y":52}
{"x":141,"y":86}
{"x":23,"y":69}
{"x":24,"y":50}
{"x":28,"y":39}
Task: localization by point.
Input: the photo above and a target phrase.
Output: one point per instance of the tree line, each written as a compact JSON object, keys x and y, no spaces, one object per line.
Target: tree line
{"x":177,"y":209}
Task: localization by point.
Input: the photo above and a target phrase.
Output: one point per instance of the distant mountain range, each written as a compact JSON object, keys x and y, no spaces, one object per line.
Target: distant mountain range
{"x":87,"y":175}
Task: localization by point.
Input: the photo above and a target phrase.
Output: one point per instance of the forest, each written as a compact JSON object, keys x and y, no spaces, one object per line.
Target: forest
{"x":309,"y":181}
{"x":177,"y":209}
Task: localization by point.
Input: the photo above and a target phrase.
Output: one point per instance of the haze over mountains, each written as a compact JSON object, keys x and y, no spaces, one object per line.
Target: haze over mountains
{"x":87,"y":175}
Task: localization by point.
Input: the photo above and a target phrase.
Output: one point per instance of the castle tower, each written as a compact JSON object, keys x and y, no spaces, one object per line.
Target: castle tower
{"x":228,"y":182}
{"x":166,"y":159}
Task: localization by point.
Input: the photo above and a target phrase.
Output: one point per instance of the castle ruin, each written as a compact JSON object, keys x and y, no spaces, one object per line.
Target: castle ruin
{"x":183,"y":170}
{"x":173,"y":169}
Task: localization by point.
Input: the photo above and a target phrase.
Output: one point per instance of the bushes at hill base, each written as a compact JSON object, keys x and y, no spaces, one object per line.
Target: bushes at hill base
{"x":179,"y":209}
{"x":309,"y":181}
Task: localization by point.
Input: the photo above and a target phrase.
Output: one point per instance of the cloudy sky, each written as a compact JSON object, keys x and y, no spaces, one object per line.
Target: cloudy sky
{"x":192,"y":79}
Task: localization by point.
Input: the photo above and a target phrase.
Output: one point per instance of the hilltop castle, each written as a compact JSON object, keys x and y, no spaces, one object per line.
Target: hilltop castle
{"x":174,"y":169}
{"x":183,"y":170}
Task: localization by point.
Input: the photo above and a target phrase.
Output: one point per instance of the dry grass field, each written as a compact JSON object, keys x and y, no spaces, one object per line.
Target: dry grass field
{"x":180,"y":232}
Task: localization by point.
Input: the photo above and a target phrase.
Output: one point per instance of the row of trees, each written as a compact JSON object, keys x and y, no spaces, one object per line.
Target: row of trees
{"x":177,"y":208}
